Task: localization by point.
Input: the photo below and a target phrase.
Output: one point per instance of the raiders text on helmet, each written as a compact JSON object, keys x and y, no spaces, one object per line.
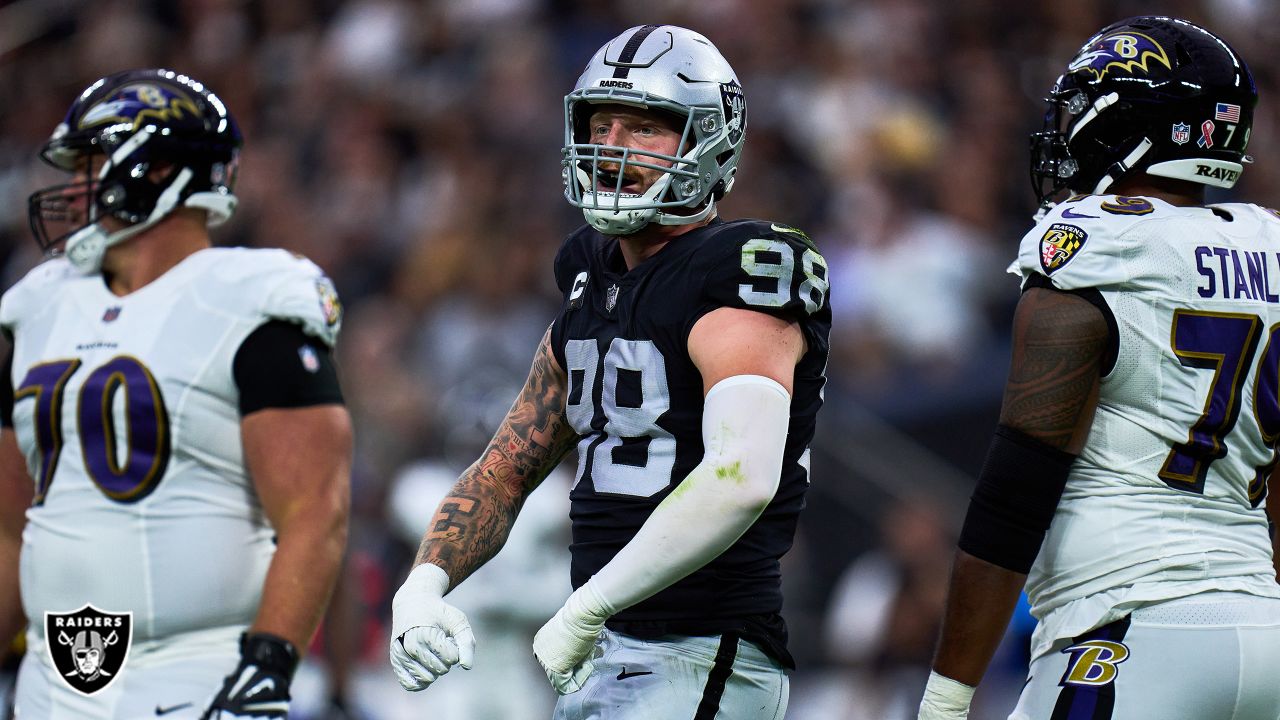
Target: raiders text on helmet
{"x":674,"y":70}
{"x":119,"y":134}
{"x":1148,"y":94}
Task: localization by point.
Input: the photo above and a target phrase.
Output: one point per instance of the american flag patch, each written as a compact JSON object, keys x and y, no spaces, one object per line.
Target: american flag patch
{"x":1227,"y":112}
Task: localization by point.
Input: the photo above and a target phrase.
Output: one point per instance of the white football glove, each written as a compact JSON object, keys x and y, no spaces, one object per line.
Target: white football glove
{"x":945,"y":699}
{"x":564,"y":645}
{"x":428,"y":635}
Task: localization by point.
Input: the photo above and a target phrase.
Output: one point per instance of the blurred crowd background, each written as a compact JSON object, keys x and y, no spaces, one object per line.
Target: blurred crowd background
{"x":412,"y":149}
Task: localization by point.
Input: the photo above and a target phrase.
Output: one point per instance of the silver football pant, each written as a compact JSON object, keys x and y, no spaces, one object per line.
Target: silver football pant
{"x":678,"y":677}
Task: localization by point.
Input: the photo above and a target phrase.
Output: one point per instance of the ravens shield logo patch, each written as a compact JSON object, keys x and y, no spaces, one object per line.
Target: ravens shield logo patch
{"x":1060,"y":243}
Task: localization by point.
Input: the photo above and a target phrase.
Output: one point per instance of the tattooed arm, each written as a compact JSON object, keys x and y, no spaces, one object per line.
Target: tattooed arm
{"x":1059,"y":341}
{"x":474,"y":519}
{"x":428,"y":635}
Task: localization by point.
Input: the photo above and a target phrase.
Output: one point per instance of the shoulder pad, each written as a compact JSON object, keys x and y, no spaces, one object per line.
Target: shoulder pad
{"x":285,"y":286}
{"x":1268,"y":216}
{"x":1081,"y":242}
{"x":34,"y":291}
{"x":573,"y":257}
{"x":765,"y":266}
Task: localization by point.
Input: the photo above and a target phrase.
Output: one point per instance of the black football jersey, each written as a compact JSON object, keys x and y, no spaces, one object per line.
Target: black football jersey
{"x":636,"y":398}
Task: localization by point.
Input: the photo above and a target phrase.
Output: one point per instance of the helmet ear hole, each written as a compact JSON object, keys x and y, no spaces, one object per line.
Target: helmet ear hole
{"x":112,"y":197}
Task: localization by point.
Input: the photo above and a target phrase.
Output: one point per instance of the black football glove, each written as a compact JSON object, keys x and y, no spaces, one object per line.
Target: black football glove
{"x":259,"y":687}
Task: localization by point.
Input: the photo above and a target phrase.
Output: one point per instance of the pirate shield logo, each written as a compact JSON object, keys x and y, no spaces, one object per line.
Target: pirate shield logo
{"x":735,"y":110}
{"x":88,"y":646}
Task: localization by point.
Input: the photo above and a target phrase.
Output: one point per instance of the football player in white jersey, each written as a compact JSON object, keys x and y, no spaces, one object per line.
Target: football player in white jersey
{"x":175,"y":453}
{"x":1126,"y":482}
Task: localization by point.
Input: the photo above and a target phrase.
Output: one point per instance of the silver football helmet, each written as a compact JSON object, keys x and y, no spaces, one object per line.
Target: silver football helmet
{"x":674,"y":70}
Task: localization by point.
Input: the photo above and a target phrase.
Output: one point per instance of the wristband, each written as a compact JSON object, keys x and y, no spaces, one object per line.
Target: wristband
{"x":945,"y":699}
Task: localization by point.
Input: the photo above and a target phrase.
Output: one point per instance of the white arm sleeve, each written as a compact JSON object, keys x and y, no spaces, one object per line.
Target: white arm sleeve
{"x":744,"y":433}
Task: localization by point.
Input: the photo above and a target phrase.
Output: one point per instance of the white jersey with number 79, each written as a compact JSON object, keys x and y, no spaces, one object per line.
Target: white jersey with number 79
{"x":1166,"y":498}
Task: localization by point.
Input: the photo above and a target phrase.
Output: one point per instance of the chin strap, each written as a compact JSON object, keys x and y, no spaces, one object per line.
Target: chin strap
{"x":86,"y":246}
{"x":664,"y":218}
{"x":614,"y":218}
{"x":1043,"y":210}
{"x":1118,"y":170}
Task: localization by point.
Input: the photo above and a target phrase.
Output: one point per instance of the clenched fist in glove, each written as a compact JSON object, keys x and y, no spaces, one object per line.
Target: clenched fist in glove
{"x":428,"y":635}
{"x":564,"y":645}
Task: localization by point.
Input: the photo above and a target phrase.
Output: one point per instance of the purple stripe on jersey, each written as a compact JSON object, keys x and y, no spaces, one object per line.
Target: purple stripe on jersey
{"x":1084,"y":704}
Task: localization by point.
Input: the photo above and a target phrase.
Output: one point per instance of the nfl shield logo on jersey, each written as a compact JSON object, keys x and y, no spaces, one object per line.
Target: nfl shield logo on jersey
{"x":1181,"y":133}
{"x":611,"y":298}
{"x":88,"y":646}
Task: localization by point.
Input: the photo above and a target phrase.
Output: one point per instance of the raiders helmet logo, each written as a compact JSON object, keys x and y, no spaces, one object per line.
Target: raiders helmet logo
{"x":735,"y":111}
{"x":88,"y":646}
{"x":1060,"y":243}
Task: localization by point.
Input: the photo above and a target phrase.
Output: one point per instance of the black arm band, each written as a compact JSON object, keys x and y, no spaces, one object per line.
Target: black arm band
{"x":1013,"y":504}
{"x":6,"y":392}
{"x":280,"y":366}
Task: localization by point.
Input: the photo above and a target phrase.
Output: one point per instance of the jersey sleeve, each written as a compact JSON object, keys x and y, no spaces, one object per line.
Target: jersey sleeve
{"x":768,"y":268}
{"x":572,"y":269}
{"x":564,"y":265}
{"x":32,"y":294}
{"x":1083,"y":243}
{"x":299,"y":292}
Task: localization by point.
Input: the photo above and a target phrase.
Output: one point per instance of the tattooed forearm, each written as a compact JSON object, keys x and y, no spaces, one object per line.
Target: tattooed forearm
{"x":473,"y":522}
{"x":1059,"y":341}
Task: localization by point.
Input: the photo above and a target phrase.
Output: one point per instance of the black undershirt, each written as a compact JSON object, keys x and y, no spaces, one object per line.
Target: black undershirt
{"x":6,"y":391}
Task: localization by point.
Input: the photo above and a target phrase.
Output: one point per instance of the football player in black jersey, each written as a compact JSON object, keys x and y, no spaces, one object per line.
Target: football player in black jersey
{"x":686,"y":365}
